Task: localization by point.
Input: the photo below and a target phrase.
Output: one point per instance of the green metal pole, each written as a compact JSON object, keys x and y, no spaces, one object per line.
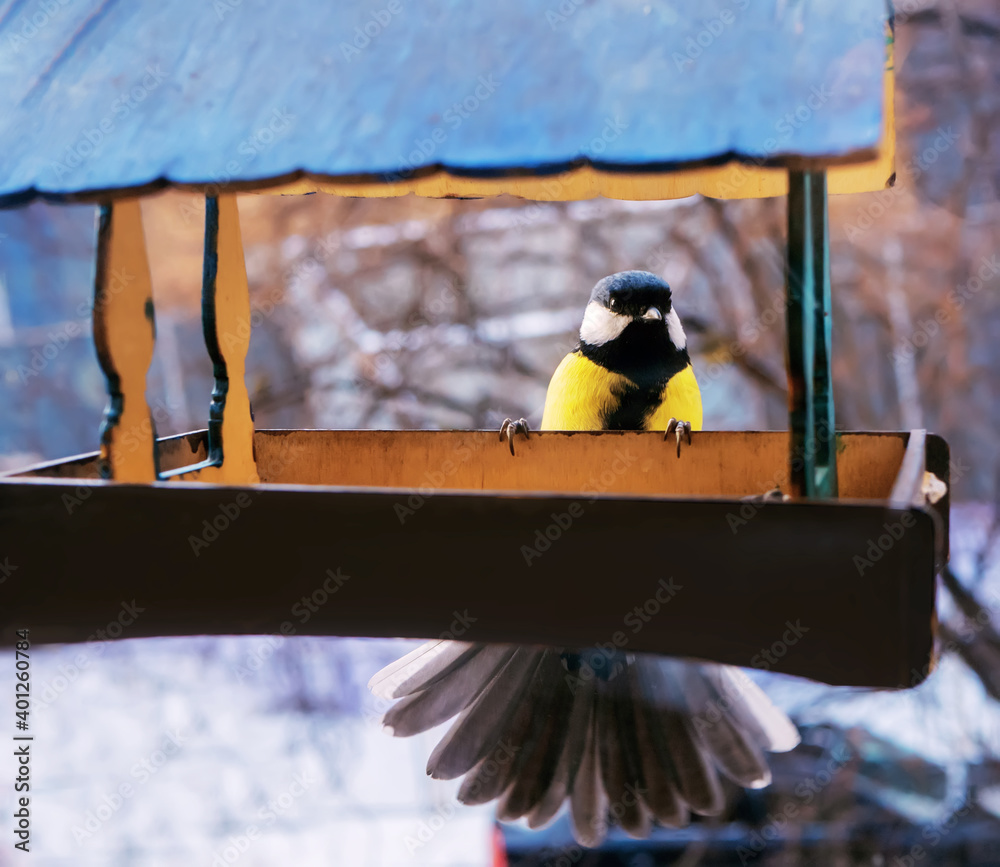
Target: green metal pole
{"x":813,"y":447}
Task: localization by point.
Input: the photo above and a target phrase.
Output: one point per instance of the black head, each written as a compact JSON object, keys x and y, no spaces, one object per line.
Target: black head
{"x":635,"y":294}
{"x":635,"y":308}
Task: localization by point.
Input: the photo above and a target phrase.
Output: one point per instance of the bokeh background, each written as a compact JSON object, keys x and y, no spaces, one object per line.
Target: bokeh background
{"x":413,"y":313}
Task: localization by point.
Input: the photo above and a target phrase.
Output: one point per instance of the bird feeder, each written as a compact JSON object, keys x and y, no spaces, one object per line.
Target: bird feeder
{"x":430,"y":533}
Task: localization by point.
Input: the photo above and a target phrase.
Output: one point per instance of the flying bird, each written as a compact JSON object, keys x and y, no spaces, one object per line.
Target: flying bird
{"x":626,"y":738}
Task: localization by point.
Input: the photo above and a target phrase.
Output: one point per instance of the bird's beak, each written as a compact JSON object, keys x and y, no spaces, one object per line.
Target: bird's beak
{"x":653,"y":313}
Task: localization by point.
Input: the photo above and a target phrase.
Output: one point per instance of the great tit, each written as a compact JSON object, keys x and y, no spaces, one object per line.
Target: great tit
{"x":624,"y":737}
{"x":631,"y":370}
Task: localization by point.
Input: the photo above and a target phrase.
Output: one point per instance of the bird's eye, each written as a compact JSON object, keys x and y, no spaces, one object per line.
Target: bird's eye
{"x":615,"y":304}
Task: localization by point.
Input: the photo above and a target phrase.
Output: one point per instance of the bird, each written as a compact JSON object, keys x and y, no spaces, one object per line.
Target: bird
{"x":623,"y":737}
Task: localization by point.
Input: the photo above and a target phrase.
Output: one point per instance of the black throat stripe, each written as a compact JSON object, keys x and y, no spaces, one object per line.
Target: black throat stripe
{"x":644,"y":355}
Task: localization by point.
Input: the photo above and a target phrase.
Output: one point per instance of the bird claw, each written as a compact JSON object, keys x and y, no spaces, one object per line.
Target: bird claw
{"x":679,"y":429}
{"x":774,"y":495}
{"x":510,"y":428}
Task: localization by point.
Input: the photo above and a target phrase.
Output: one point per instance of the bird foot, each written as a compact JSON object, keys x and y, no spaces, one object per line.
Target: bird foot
{"x":679,"y":429}
{"x":510,"y":428}
{"x":774,"y":495}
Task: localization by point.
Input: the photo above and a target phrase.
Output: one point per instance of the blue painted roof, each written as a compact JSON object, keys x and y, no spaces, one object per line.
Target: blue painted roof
{"x":97,"y":95}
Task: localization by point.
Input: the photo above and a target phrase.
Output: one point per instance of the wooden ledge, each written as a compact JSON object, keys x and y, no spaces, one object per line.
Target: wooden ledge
{"x":839,"y":591}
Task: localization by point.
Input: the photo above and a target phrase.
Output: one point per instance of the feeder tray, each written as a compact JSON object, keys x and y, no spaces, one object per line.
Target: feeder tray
{"x":577,"y":538}
{"x":559,"y":543}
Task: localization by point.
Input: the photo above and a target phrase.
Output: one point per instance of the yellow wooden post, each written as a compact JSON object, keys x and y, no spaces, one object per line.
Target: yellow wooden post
{"x":226,"y":323}
{"x":124,"y":332}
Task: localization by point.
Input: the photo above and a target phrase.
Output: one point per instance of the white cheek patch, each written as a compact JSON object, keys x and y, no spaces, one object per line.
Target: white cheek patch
{"x":600,"y":325}
{"x":675,"y":330}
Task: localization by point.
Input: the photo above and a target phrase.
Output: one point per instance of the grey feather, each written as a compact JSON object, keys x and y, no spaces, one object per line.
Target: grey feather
{"x":514,"y":741}
{"x":660,"y":793}
{"x":695,"y":777}
{"x":478,"y":727}
{"x":733,"y":750}
{"x":569,"y":758}
{"x":588,"y":803}
{"x":448,"y":694}
{"x":619,"y":753}
{"x":751,"y":709}
{"x":490,"y":777}
{"x":421,"y":667}
{"x":537,"y":763}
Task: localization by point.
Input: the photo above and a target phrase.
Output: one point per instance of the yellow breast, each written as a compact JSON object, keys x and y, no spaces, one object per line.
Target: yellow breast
{"x":582,"y":394}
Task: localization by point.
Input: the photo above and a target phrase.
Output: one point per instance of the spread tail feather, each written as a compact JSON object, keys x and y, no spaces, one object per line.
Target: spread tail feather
{"x":693,"y":772}
{"x":479,"y":727}
{"x":588,"y":804}
{"x":448,"y":694}
{"x":569,"y":758}
{"x":637,"y":737}
{"x":420,"y":667}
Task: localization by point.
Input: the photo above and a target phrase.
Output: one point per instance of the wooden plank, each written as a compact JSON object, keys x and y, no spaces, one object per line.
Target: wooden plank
{"x":173,"y":452}
{"x":124,"y":331}
{"x":226,"y":326}
{"x":718,"y":463}
{"x":727,"y":463}
{"x":562,"y":570}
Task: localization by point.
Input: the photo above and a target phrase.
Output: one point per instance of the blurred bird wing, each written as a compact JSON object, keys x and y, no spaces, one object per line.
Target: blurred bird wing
{"x":580,"y":394}
{"x":681,"y":400}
